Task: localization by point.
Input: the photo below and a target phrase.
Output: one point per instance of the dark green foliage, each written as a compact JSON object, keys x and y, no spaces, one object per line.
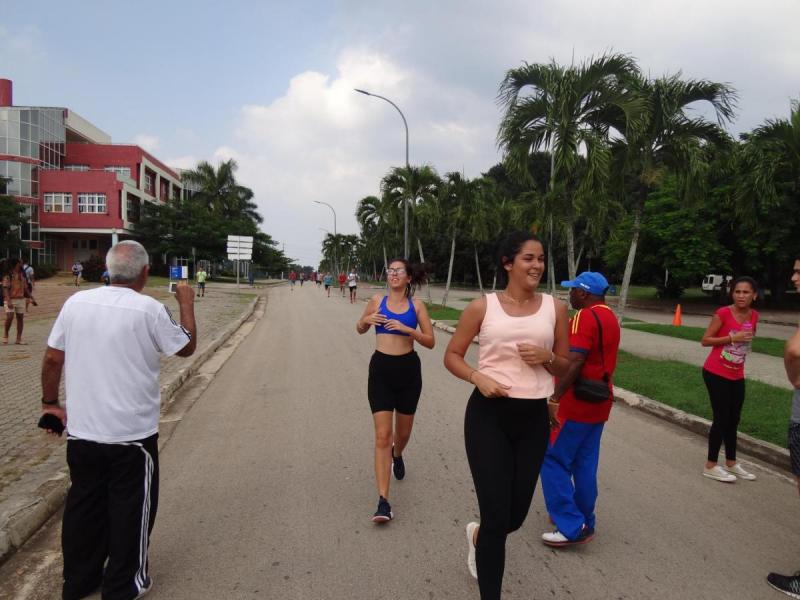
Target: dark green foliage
{"x":93,"y":268}
{"x":11,"y":219}
{"x":45,"y":271}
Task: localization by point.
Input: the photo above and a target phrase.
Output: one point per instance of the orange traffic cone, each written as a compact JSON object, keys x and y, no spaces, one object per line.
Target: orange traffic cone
{"x":676,"y":320}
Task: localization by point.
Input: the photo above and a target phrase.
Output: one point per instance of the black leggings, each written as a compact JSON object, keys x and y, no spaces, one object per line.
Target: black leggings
{"x":727,"y":399}
{"x":506,"y":439}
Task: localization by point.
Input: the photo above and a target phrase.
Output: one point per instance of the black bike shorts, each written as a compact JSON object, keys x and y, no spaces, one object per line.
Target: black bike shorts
{"x":395,"y":382}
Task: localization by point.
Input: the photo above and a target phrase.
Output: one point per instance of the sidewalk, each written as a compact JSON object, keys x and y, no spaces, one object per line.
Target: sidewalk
{"x":32,"y":465}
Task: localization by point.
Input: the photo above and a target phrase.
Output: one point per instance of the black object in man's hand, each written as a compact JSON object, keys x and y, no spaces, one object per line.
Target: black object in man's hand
{"x":52,"y":423}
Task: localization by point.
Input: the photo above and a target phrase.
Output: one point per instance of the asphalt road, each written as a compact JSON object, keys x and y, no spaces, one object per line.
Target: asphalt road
{"x":267,"y":490}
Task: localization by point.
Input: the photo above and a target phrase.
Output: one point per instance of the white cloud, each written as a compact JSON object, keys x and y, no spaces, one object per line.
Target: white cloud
{"x":182,"y":162}
{"x":323,"y":141}
{"x":147,"y":142}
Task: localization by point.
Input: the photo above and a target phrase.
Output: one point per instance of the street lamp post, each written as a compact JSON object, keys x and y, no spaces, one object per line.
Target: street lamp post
{"x":335,"y":237}
{"x":408,"y":169}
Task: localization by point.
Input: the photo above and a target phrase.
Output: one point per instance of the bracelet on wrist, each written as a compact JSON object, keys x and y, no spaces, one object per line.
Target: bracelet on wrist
{"x":50,"y":402}
{"x":552,"y":400}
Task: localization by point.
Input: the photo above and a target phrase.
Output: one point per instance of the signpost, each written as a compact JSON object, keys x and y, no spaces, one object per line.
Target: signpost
{"x":240,"y":247}
{"x":176,"y":273}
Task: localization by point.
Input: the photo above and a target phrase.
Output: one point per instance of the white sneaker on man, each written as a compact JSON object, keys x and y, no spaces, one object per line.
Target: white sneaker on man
{"x":720,"y":474}
{"x":471,"y":564}
{"x":737,"y":470}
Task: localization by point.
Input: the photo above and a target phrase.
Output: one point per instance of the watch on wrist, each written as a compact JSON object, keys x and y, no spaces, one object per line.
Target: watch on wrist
{"x":53,"y":402}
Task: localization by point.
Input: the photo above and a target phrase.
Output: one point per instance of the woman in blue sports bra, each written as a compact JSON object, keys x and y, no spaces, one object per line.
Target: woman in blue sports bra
{"x":395,"y":377}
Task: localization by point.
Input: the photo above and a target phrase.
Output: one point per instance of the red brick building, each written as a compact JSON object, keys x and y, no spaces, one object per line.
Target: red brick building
{"x":81,"y":192}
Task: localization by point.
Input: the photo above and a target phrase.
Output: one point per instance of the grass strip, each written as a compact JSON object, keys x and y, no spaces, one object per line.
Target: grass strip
{"x":764,"y":345}
{"x":766,"y":408}
{"x":438,"y":312}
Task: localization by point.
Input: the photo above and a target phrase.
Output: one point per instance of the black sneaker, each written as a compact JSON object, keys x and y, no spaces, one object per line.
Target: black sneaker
{"x":384,"y":513}
{"x":788,"y":584}
{"x":398,"y":466}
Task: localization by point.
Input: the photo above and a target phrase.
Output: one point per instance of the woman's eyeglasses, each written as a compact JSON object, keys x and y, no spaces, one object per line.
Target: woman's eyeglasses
{"x":395,"y":271}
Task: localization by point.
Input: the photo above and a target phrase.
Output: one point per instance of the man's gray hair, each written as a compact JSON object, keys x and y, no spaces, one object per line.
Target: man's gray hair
{"x":125,"y":261}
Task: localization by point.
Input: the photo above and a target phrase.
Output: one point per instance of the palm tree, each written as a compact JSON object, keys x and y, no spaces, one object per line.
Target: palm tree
{"x":379,"y":221}
{"x":219,"y":192}
{"x":567,"y":112}
{"x":665,"y":140}
{"x":482,"y":217}
{"x":454,"y":194}
{"x":767,"y":171}
{"x":418,"y":185}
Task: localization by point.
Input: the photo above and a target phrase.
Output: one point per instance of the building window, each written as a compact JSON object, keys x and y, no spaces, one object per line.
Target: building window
{"x":47,"y":255}
{"x":57,"y":203}
{"x":126,"y":171}
{"x":148,"y":183}
{"x":76,"y":167}
{"x":29,"y":232}
{"x":92,"y":203}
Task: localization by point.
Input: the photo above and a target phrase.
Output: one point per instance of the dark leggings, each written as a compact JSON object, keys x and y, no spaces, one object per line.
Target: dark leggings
{"x":506,"y":439}
{"x":727,"y":399}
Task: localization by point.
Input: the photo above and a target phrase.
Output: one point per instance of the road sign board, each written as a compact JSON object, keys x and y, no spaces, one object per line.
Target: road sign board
{"x":233,"y":249}
{"x":240,"y":238}
{"x":178,"y":272}
{"x":240,"y":256}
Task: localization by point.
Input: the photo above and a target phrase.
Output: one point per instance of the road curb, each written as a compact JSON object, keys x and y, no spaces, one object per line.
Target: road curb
{"x":765,"y":451}
{"x":22,"y":514}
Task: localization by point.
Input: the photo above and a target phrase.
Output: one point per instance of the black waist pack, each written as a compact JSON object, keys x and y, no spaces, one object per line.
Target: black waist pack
{"x":593,"y":390}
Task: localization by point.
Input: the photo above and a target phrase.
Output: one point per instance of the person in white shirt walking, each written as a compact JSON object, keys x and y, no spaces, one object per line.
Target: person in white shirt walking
{"x":108,"y":342}
{"x":352,"y":285}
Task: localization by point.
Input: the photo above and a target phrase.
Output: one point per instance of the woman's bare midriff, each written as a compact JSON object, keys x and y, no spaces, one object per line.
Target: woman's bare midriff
{"x":395,"y":345}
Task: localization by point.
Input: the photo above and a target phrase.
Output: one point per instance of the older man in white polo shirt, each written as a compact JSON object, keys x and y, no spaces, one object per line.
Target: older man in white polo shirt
{"x":108,"y":341}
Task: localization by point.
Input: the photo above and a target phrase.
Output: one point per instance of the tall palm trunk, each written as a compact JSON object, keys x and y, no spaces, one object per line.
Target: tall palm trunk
{"x":551,"y":267}
{"x":422,"y":260}
{"x":478,"y":270}
{"x":551,"y":264}
{"x":385,"y":264}
{"x":626,"y":278}
{"x":449,"y":270}
{"x":571,"y":262}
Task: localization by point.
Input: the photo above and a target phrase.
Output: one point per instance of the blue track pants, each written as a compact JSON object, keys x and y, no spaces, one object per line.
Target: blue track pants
{"x":569,"y":476}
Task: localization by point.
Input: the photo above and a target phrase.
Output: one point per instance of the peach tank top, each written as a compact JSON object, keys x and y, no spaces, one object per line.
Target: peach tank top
{"x":498,"y":339}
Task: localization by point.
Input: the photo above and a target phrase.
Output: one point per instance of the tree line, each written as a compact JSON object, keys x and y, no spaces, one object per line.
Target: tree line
{"x":615,"y":170}
{"x":199,"y":223}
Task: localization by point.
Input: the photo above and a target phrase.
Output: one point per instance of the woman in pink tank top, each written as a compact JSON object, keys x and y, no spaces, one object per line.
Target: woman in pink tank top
{"x":729,"y":334}
{"x":524,"y":341}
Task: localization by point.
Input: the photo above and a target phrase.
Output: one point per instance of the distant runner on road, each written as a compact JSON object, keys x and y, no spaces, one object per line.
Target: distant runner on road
{"x":352,"y":284}
{"x":328,"y":279}
{"x":395,"y":375}
{"x":292,"y":279}
{"x":342,"y":281}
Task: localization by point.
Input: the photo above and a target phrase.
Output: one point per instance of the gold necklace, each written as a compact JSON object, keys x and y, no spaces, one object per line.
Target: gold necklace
{"x":518,"y":302}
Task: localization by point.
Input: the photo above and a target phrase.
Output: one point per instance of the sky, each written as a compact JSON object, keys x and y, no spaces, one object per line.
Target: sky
{"x":270,"y":84}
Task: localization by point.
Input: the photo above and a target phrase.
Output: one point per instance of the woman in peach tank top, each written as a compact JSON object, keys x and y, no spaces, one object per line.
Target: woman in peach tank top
{"x":523,"y":340}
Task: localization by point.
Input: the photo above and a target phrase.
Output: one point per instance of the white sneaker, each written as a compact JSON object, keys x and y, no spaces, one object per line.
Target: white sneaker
{"x":471,"y":564}
{"x":720,"y":474}
{"x":740,"y":472}
{"x":554,"y":537}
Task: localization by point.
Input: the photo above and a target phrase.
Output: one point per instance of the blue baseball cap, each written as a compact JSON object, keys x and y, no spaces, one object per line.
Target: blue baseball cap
{"x":589,"y":281}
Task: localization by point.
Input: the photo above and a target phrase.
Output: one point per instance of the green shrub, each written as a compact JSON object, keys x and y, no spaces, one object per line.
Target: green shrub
{"x":44,"y":271}
{"x":93,"y":268}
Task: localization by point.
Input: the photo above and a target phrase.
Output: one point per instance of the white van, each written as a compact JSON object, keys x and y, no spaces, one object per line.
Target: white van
{"x":713,"y":283}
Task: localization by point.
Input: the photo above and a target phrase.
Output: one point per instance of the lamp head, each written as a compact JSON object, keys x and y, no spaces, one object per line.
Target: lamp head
{"x":362,"y":92}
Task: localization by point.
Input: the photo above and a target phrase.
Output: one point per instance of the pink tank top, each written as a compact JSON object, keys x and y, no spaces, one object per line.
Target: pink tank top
{"x":499,"y":357}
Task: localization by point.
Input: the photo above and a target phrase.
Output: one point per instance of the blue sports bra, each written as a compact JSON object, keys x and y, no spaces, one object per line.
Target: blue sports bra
{"x":408,"y":318}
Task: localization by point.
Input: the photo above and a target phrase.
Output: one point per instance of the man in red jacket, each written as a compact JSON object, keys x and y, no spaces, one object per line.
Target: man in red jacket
{"x":569,"y":472}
